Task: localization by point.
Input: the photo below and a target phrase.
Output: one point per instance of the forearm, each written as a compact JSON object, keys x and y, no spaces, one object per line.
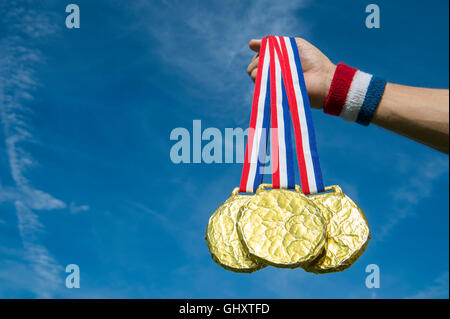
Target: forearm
{"x":417,"y":113}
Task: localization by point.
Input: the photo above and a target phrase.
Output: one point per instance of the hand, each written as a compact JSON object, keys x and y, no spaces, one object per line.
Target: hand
{"x":318,"y":70}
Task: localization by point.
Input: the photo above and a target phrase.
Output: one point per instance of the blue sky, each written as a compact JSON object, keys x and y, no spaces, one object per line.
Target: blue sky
{"x":85,"y":172}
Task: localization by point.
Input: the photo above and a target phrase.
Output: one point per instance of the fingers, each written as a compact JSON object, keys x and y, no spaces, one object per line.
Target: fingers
{"x":252,"y":68}
{"x":253,"y":74}
{"x":255,"y":44}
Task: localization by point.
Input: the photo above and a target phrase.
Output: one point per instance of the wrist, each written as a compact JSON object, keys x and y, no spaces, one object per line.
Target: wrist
{"x":326,"y":81}
{"x":354,"y":95}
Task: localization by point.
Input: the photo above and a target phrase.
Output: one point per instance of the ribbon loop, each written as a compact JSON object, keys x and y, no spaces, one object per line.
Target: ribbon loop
{"x":283,"y":175}
{"x":259,"y":125}
{"x":307,"y":155}
{"x":280,"y":96}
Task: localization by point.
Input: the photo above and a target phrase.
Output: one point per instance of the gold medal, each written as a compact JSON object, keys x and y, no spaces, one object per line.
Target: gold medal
{"x":282,"y":228}
{"x":323,"y":232}
{"x":223,"y":241}
{"x":348,"y":232}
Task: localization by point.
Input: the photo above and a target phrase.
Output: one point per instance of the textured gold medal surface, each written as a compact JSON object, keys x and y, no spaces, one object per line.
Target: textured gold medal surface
{"x":223,"y":241}
{"x":348,"y":232}
{"x":282,"y":228}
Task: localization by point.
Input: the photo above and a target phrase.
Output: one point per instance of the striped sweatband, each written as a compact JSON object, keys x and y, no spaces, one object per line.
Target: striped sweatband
{"x":354,"y":95}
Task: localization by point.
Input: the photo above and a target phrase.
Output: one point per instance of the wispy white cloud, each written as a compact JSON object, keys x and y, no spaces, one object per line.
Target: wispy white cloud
{"x":74,"y":208}
{"x":438,"y":289}
{"x":420,"y":176}
{"x":208,"y":42}
{"x":420,"y":182}
{"x":33,"y":198}
{"x":18,"y":81}
{"x":47,"y":269}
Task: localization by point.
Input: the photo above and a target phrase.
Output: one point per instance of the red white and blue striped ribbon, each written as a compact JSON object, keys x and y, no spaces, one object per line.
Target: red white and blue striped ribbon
{"x":259,"y":125}
{"x":280,"y":87}
{"x":283,"y":175}
{"x":307,"y":155}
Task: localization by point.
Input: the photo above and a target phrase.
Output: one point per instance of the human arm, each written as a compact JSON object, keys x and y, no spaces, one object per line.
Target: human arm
{"x":420,"y":114}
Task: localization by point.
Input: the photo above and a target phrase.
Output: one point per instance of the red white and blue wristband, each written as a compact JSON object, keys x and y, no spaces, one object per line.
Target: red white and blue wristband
{"x":354,"y":95}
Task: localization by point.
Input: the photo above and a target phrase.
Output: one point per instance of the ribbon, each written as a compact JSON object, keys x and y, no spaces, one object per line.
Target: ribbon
{"x":259,"y":125}
{"x":283,"y":175}
{"x":280,"y":88}
{"x":307,"y":155}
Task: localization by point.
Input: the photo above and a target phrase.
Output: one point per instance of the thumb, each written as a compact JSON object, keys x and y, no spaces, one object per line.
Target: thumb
{"x":255,"y":44}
